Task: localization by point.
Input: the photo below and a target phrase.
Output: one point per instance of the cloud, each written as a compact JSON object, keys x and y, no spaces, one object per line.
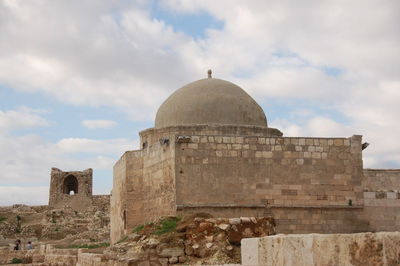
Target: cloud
{"x":21,"y":118}
{"x":338,"y":54}
{"x":94,"y":124}
{"x":82,"y":145}
{"x":27,"y":159}
{"x":105,"y":54}
{"x":315,"y":126}
{"x":33,"y":195}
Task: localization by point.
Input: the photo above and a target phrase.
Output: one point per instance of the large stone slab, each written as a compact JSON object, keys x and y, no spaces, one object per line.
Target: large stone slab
{"x":359,"y":249}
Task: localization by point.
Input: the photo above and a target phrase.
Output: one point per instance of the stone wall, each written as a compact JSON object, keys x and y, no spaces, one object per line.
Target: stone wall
{"x":143,"y":189}
{"x":306,"y":176}
{"x":382,"y":199}
{"x":152,"y":135}
{"x":323,"y":249}
{"x":118,"y":200}
{"x":318,"y":219}
{"x":151,"y":187}
{"x":101,"y":202}
{"x":381,"y":180}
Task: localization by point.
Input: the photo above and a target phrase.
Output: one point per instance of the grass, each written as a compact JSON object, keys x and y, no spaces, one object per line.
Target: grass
{"x":91,"y":246}
{"x":2,"y":219}
{"x":167,"y":225}
{"x":16,"y":261}
{"x":138,"y":228}
{"x":122,"y":240}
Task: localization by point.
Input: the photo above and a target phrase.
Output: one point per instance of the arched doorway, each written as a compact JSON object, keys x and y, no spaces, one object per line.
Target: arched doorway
{"x":70,"y":185}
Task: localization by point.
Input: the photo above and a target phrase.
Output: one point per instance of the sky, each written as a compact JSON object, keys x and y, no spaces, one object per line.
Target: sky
{"x":80,"y":79}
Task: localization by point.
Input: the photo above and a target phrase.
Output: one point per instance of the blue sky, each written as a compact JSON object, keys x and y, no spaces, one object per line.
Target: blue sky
{"x":79,"y":80}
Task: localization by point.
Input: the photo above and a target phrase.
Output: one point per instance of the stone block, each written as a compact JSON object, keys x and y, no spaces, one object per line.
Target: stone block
{"x":193,"y":146}
{"x":239,"y":140}
{"x":338,"y":142}
{"x":322,"y":249}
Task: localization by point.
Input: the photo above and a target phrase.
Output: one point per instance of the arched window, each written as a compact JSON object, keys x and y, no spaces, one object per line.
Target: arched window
{"x":70,"y":185}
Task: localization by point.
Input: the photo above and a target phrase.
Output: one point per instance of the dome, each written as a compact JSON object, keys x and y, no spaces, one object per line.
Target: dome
{"x":210,"y":102}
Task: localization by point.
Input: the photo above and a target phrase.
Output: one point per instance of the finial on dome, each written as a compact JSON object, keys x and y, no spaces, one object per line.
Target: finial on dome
{"x":209,"y":72}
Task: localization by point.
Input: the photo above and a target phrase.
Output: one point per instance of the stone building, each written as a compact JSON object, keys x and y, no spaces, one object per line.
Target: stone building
{"x":73,"y":189}
{"x":211,"y":150}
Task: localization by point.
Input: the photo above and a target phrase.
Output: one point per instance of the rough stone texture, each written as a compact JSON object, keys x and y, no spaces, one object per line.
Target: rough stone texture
{"x":146,"y":180}
{"x":307,"y":184}
{"x":45,"y":255}
{"x":196,"y":241}
{"x":323,"y":249}
{"x":381,"y":180}
{"x":62,"y":183}
{"x":382,"y":199}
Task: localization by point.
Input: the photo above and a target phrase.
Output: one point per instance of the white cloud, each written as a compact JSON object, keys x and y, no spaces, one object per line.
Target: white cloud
{"x":33,"y":195}
{"x":23,"y":117}
{"x":97,"y":53}
{"x":94,"y":124}
{"x":313,"y":127}
{"x":82,"y":145}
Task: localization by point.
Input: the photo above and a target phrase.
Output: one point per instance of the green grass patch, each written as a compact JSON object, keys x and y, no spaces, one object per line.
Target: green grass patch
{"x":167,"y":225}
{"x":16,"y":261}
{"x":138,"y":228}
{"x":90,"y":246}
{"x":122,"y":240}
{"x":2,"y":219}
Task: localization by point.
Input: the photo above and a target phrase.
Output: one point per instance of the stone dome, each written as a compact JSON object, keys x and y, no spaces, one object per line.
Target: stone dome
{"x":210,"y":102}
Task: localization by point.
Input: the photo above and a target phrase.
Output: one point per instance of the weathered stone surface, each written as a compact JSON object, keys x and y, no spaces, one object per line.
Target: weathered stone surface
{"x":171,"y":252}
{"x":360,"y":249}
{"x":224,"y":226}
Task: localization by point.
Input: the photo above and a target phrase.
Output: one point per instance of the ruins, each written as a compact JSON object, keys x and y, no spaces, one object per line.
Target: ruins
{"x":73,"y":189}
{"x":211,"y":150}
{"x":212,"y":183}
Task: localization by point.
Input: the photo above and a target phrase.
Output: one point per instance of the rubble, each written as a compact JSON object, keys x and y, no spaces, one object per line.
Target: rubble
{"x":68,"y":237}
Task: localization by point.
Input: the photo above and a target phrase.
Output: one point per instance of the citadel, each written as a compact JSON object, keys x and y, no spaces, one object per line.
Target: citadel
{"x":211,"y":150}
{"x":245,"y":193}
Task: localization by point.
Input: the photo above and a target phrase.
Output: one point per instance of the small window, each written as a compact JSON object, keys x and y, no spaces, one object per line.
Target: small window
{"x":125,"y":220}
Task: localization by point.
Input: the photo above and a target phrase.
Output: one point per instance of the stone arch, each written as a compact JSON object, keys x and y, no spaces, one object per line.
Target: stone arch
{"x":70,"y":184}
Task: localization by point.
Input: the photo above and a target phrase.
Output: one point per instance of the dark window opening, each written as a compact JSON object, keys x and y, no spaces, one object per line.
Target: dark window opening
{"x":125,"y":220}
{"x":70,"y":186}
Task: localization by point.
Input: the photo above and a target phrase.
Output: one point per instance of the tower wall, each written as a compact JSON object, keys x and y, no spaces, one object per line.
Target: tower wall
{"x":143,"y":189}
{"x":61,"y":185}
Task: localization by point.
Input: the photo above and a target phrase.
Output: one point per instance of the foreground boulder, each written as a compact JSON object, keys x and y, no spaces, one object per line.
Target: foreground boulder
{"x":360,"y":249}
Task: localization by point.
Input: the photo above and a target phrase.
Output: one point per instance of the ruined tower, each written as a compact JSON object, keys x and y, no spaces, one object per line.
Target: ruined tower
{"x":71,"y":189}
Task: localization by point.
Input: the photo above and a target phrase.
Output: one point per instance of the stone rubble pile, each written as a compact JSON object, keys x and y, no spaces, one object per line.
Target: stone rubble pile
{"x":192,"y":240}
{"x":197,"y":240}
